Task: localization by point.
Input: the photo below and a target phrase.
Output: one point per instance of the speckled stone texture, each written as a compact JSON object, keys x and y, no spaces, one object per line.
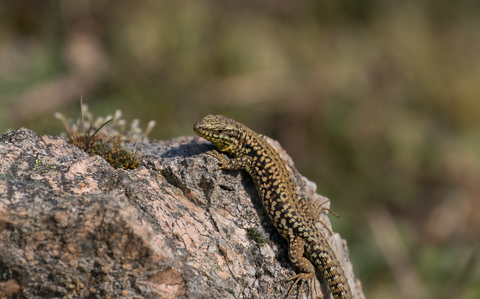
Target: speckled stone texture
{"x":71,"y":226}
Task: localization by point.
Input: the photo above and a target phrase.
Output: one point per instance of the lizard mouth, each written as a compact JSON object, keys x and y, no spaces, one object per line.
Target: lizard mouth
{"x":197,"y":127}
{"x":201,"y":129}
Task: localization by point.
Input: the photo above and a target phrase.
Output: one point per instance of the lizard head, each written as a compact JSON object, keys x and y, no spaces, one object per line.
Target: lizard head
{"x":225,"y":133}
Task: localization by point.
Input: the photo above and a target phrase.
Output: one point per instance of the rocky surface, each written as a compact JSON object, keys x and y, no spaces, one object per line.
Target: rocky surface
{"x":71,"y":226}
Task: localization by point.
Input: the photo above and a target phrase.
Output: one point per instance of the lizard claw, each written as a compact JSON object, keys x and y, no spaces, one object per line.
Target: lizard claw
{"x":301,"y":277}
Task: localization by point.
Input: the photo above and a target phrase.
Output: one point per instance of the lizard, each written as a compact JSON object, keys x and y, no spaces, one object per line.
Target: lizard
{"x":288,"y":214}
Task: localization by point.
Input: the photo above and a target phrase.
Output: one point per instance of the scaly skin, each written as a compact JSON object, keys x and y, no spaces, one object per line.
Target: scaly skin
{"x":286,"y":211}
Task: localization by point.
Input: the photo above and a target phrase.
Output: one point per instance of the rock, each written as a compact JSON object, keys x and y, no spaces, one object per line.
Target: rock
{"x":71,"y":226}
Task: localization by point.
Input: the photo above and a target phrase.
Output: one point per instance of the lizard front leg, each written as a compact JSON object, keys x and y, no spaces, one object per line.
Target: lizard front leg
{"x":230,"y":164}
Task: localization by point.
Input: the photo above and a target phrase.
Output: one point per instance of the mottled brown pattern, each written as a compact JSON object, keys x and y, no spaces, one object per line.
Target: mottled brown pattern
{"x":288,"y":214}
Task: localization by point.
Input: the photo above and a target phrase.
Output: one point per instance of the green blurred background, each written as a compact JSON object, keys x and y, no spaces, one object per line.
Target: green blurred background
{"x":378,"y":102}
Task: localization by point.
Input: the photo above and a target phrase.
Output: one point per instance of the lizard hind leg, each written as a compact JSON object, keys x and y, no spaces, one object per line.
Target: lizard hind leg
{"x":314,"y":210}
{"x":303,"y":265}
{"x":318,"y":208}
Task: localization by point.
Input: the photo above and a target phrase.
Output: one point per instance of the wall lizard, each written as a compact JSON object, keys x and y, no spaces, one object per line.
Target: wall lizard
{"x":286,"y":211}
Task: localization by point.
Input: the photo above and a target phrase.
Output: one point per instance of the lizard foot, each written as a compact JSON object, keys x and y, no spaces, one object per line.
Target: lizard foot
{"x":220,"y":157}
{"x":302,"y":277}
